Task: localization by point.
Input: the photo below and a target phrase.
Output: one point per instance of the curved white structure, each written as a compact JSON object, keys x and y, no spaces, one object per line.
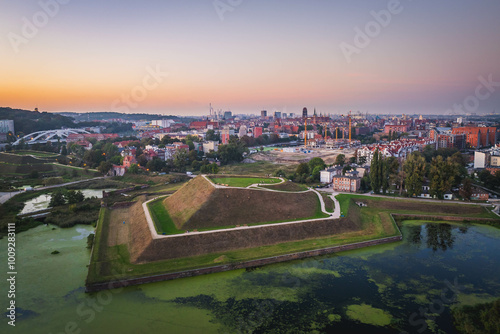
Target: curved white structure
{"x":54,"y":136}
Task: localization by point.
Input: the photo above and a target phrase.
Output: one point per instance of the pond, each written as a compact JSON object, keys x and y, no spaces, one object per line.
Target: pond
{"x":42,"y":202}
{"x":408,"y":286}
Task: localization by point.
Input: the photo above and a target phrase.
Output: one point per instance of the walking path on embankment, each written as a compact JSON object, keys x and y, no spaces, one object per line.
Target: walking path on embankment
{"x":334,"y":215}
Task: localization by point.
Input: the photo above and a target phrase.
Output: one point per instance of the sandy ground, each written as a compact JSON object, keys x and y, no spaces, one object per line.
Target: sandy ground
{"x":118,"y":232}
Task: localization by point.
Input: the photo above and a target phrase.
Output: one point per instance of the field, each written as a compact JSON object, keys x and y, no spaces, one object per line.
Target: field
{"x":361,"y":224}
{"x":242,"y":182}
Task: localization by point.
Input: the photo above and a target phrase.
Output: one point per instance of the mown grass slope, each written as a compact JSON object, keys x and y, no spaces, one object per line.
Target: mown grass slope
{"x":186,"y":201}
{"x":198,"y":205}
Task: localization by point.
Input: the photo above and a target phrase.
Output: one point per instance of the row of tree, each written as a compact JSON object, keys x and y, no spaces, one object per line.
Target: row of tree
{"x":442,"y":174}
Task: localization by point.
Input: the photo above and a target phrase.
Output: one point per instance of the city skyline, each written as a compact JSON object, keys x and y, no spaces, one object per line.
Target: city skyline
{"x":404,"y":57}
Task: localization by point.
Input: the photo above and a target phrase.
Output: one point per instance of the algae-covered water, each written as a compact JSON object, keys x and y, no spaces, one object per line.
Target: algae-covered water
{"x":408,"y":286}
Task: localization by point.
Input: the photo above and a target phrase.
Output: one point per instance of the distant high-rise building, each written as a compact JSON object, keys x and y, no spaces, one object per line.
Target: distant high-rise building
{"x":304,"y":112}
{"x":277,"y":114}
{"x":243,"y":131}
{"x":284,"y":115}
{"x":228,"y":114}
{"x":225,"y":134}
{"x":6,"y":125}
{"x":263,"y":113}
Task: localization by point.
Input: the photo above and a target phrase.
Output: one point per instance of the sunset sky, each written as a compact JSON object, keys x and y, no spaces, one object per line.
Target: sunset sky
{"x":275,"y":55}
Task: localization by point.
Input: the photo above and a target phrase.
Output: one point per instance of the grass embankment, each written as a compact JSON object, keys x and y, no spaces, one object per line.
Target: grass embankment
{"x":163,"y":222}
{"x":372,"y":222}
{"x":200,"y":206}
{"x":329,"y":204}
{"x":114,"y":262}
{"x":242,"y":182}
{"x":286,"y":186}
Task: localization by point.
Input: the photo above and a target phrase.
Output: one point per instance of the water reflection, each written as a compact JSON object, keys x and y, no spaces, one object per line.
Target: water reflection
{"x":438,"y":236}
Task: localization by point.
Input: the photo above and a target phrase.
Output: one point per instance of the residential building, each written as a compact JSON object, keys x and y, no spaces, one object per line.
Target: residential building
{"x":477,"y":137}
{"x":346,"y":183}
{"x":480,"y":159}
{"x":326,"y":176}
{"x":210,"y":146}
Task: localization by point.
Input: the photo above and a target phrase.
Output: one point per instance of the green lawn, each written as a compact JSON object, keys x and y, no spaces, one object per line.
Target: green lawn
{"x":163,"y":222}
{"x":243,"y":182}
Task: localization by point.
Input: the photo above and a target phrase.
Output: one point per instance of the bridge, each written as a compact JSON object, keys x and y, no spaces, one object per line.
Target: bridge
{"x":53,"y":136}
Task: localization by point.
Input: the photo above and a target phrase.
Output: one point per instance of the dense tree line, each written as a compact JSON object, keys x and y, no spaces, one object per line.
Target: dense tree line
{"x":306,"y":172}
{"x":443,"y":169}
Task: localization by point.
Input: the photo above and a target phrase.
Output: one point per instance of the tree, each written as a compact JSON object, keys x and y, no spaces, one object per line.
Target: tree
{"x":210,"y":135}
{"x":414,"y":169}
{"x":340,"y":160}
{"x":64,"y":150}
{"x":133,"y":169}
{"x":73,"y":196}
{"x":180,"y":159}
{"x":375,"y":170}
{"x":362,"y":160}
{"x":280,"y":173}
{"x":316,"y":173}
{"x":104,"y":167}
{"x":232,"y":152}
{"x":466,"y":189}
{"x":302,"y":169}
{"x":57,"y":198}
{"x":316,"y":162}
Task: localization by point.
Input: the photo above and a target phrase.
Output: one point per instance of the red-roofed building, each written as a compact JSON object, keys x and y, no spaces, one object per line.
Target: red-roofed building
{"x":129,"y":160}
